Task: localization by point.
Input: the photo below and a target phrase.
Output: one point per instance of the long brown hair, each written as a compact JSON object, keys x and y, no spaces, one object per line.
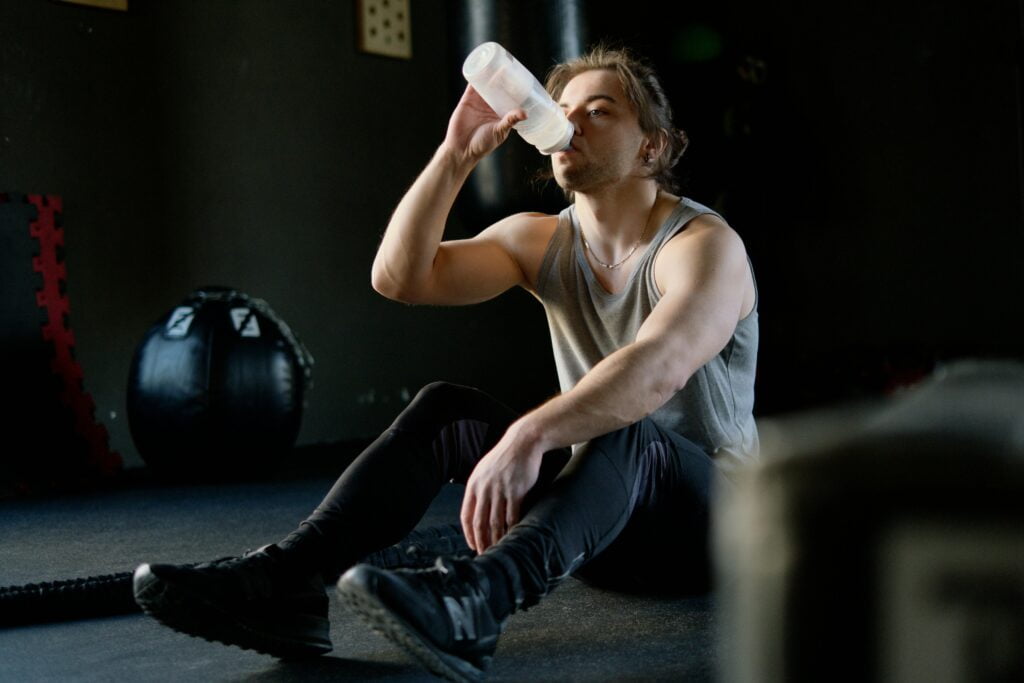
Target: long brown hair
{"x":645,"y":93}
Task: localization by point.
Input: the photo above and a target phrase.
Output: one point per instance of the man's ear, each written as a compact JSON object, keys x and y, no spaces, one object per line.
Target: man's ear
{"x":654,"y":145}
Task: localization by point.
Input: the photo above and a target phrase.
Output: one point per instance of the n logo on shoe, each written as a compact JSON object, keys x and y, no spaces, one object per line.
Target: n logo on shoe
{"x":462,"y":618}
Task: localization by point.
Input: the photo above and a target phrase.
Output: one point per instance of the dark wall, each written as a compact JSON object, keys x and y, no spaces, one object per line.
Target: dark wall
{"x":247,"y":144}
{"x":869,"y":155}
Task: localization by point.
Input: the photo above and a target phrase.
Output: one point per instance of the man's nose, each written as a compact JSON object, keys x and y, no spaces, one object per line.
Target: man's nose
{"x":575,"y":117}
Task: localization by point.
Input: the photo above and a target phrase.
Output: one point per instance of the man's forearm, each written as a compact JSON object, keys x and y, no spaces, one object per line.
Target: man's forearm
{"x":406,"y":254}
{"x":623,"y":388}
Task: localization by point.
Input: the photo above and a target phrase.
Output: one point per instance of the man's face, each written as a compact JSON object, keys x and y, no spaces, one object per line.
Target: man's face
{"x":608,"y":144}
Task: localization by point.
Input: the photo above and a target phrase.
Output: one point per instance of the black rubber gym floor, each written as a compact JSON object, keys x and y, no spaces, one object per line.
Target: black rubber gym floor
{"x":577,"y":633}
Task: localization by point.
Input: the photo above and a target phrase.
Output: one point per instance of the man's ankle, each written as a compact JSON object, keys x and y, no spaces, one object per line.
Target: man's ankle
{"x":501,"y":597}
{"x":302,"y":554}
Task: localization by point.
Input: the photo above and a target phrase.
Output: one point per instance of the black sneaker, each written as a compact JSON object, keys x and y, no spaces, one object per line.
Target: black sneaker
{"x":439,"y":615}
{"x":249,"y":601}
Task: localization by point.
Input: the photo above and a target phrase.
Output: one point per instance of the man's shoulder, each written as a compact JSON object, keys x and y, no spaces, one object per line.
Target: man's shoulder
{"x":707,"y":251}
{"x":706,"y":230}
{"x":526,"y":226}
{"x":705,"y":237}
{"x":525,"y":236}
{"x":530,"y":218}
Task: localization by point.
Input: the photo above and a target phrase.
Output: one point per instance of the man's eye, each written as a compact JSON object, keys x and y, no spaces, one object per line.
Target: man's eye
{"x":596,"y":112}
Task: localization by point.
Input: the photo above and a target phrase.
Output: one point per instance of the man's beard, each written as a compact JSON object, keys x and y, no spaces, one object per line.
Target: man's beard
{"x":583,"y":178}
{"x":589,"y":176}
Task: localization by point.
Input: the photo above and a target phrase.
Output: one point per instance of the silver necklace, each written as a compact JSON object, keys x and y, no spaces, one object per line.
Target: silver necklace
{"x":612,"y":266}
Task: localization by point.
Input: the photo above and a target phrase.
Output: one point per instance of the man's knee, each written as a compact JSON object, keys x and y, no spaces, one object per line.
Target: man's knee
{"x":445,"y":398}
{"x":441,"y":403}
{"x":423,"y":409}
{"x":438,"y":392}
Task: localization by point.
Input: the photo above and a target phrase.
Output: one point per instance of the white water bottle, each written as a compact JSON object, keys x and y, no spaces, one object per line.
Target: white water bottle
{"x":505,"y":84}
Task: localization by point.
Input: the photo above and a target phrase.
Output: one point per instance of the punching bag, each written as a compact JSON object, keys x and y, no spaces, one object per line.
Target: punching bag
{"x":540,"y":33}
{"x":216,"y":387}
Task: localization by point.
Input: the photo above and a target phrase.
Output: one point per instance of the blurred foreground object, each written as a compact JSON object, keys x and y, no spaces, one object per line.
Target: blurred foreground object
{"x":882,"y":543}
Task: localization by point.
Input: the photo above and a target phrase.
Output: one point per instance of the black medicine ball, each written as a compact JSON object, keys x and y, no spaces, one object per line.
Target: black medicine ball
{"x":216,"y":387}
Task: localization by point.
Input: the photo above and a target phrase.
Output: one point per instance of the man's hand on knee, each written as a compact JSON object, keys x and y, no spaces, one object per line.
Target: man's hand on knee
{"x":496,"y":489}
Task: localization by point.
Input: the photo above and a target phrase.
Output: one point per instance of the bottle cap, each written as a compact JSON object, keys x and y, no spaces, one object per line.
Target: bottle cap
{"x":563,"y":142}
{"x":480,"y":60}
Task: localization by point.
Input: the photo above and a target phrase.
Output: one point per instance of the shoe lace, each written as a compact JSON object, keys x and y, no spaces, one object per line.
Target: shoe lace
{"x":456,"y":576}
{"x":253,"y":582}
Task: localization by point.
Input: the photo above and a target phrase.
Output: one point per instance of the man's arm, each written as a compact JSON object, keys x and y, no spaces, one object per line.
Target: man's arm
{"x":705,"y":280}
{"x":704,"y":277}
{"x":413,"y":264}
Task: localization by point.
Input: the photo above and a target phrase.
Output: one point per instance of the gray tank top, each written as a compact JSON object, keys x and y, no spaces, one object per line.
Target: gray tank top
{"x":715,"y":408}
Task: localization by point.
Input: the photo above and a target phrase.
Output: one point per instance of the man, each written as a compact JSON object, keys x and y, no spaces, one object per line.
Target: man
{"x":651,"y":304}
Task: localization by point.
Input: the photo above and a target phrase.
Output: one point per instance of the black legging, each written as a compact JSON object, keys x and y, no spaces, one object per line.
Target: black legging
{"x":628,"y":509}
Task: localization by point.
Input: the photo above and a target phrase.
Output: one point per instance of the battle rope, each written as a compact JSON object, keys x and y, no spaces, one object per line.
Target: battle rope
{"x":111,"y":594}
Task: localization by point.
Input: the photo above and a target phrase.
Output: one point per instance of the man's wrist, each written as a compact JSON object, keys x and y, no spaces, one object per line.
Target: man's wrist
{"x":530,"y":434}
{"x":455,"y":160}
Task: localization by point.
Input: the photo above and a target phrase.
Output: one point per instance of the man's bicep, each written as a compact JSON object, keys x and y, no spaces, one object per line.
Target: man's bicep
{"x":472,"y":270}
{"x":704,"y":283}
{"x":499,"y":258}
